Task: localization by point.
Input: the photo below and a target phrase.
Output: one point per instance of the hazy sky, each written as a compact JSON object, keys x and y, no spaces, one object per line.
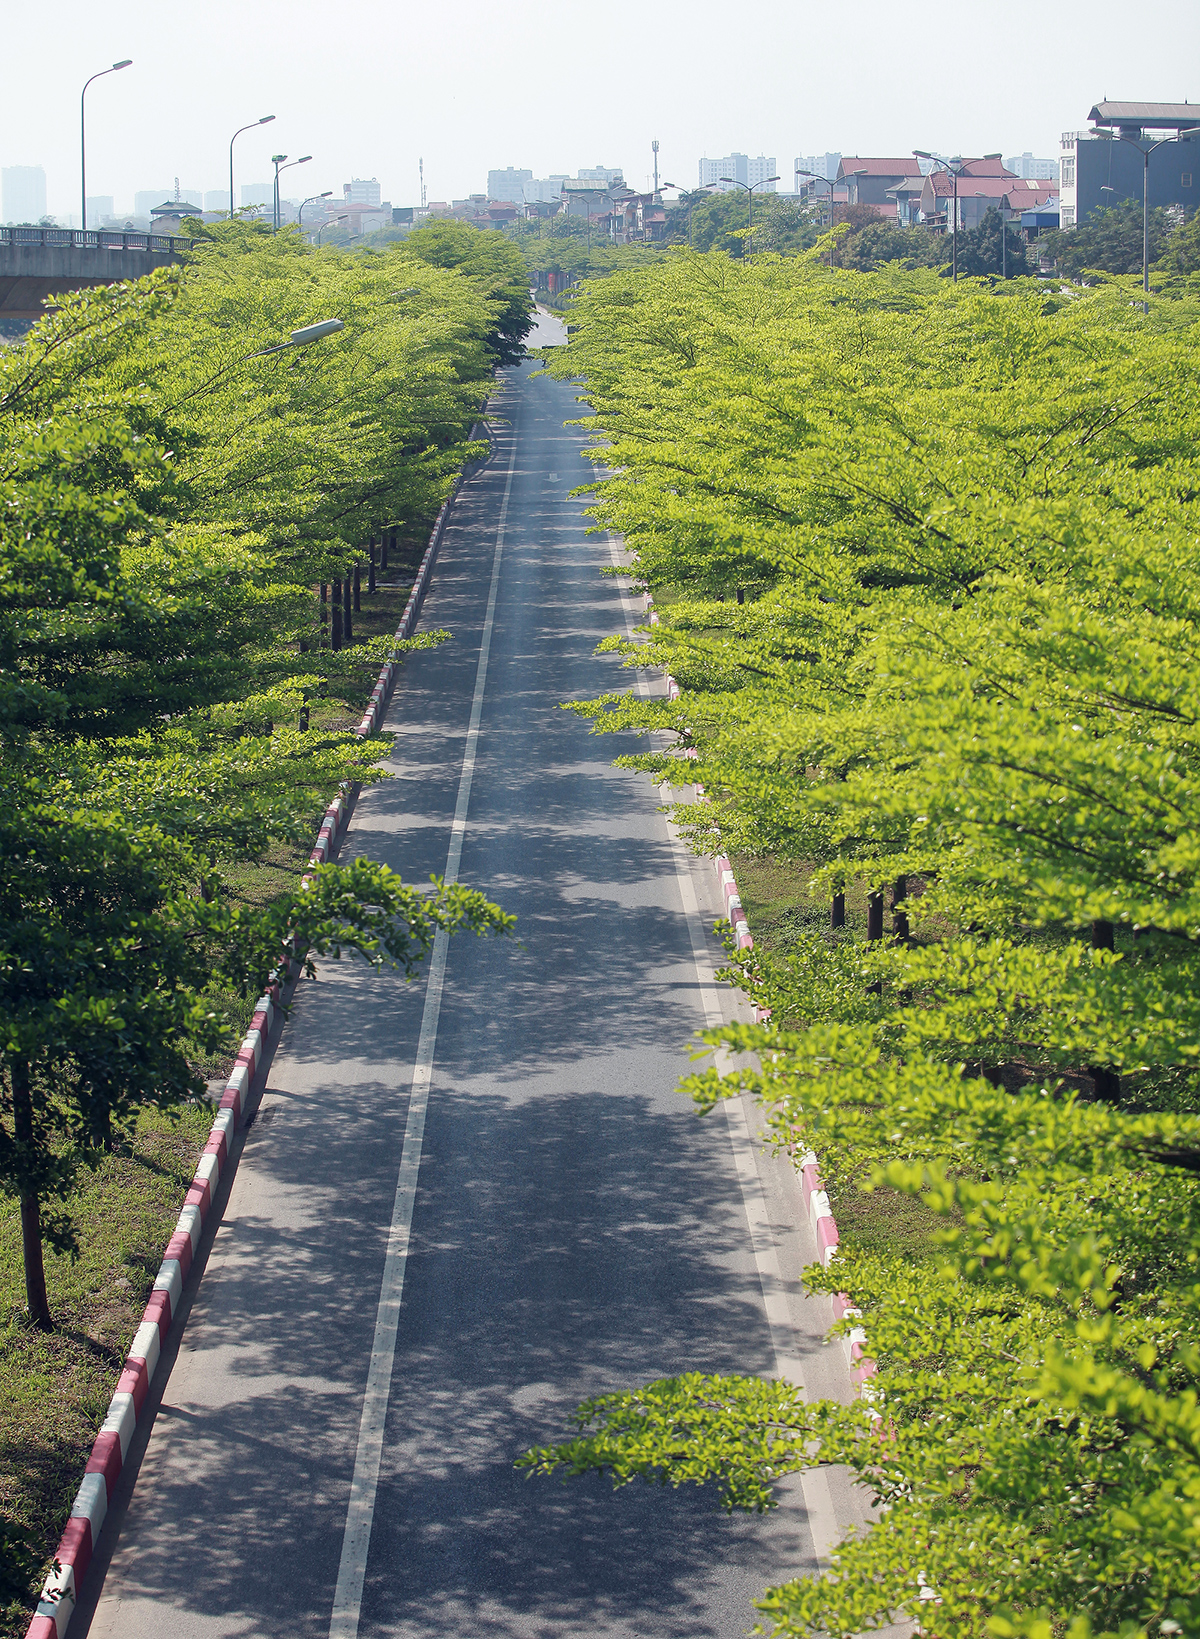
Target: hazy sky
{"x":368,"y":87}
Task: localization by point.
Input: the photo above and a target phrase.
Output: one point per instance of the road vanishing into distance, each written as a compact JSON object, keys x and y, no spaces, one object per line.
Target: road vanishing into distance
{"x":468,"y":1203}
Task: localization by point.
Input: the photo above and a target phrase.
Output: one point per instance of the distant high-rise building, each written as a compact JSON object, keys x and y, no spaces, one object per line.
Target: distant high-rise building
{"x":1031,"y":169}
{"x":257,"y":193}
{"x":542,"y":190}
{"x":99,"y":209}
{"x":361,"y":192}
{"x":23,"y":190}
{"x":738,"y":168}
{"x":216,"y":199}
{"x":508,"y":184}
{"x":146,"y":199}
{"x":601,"y":173}
{"x":825,"y":165}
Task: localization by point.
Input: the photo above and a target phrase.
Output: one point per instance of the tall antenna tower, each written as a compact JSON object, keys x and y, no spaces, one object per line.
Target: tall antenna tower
{"x":421,"y":166}
{"x":654,"y":145}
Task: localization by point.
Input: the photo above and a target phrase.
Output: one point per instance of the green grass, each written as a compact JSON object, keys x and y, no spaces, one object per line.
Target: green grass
{"x":57,"y":1386}
{"x":780,"y":910}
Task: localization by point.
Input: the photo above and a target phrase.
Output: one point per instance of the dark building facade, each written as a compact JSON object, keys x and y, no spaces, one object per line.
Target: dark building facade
{"x":1105,"y":165}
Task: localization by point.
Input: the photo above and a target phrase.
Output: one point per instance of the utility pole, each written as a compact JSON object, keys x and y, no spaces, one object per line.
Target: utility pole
{"x":654,"y":145}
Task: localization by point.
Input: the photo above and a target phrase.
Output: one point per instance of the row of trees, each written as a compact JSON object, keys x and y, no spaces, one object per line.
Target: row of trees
{"x":170,"y":499}
{"x":926,"y":561}
{"x":1112,"y":241}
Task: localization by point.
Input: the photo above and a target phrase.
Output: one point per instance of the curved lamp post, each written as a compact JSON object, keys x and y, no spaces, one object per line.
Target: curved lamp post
{"x":311,"y":200}
{"x":124,"y":63}
{"x":277,"y":160}
{"x":956,"y":169}
{"x":299,"y":338}
{"x":862,"y":171}
{"x":266,"y":120}
{"x":750,"y":187}
{"x":691,"y":199}
{"x":1146,"y":149}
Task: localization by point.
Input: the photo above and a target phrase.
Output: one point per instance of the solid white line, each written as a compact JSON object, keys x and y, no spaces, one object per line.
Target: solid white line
{"x":818,"y":1500}
{"x":360,"y":1512}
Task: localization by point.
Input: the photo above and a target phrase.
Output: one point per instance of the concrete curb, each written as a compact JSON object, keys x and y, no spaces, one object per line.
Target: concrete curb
{"x":79,"y":1539}
{"x":816,"y":1201}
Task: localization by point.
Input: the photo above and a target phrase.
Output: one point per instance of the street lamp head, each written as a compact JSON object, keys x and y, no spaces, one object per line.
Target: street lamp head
{"x":304,"y":161}
{"x":732,"y":179}
{"x":922,"y":153}
{"x":126,"y":63}
{"x":771,"y":179}
{"x":314,"y":332}
{"x":994,"y":156}
{"x":278,"y":159}
{"x":266,"y":119}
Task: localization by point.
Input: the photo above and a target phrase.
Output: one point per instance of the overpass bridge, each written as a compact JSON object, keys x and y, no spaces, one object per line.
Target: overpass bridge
{"x":36,"y":263}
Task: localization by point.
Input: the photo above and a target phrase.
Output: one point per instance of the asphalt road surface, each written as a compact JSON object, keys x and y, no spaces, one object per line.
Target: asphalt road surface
{"x":575,"y":1227}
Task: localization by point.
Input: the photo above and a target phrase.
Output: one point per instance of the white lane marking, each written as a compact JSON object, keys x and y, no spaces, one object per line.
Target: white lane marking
{"x":814,"y":1482}
{"x":360,"y":1511}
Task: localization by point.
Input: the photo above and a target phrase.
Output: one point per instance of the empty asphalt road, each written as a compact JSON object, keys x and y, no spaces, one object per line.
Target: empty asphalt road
{"x":575,"y":1227}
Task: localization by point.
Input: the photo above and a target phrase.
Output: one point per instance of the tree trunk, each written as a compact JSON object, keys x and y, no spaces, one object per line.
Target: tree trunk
{"x":1106,"y":1082}
{"x":347,"y":609}
{"x":837,"y":911}
{"x":899,"y":916}
{"x":1103,"y":936}
{"x":31,"y":1211}
{"x":335,"y":609}
{"x":357,"y":587}
{"x":874,"y":916}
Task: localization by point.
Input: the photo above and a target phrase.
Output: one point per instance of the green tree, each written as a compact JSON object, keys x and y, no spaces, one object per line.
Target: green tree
{"x":169,"y":499}
{"x":962,"y":523}
{"x":1110,"y":240}
{"x":496,"y":268}
{"x":991,"y":248}
{"x":880,"y":242}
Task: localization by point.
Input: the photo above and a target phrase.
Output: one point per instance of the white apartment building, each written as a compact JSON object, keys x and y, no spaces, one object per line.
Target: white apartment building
{"x":508,"y":184}
{"x":361,"y":192}
{"x":825,"y":165}
{"x":1031,"y":169}
{"x":738,"y":168}
{"x":601,"y":173}
{"x":542,"y":190}
{"x":22,"y":193}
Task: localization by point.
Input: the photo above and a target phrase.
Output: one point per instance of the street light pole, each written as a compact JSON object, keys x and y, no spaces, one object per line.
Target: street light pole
{"x":266,"y":120}
{"x":311,"y":200}
{"x":124,"y":63}
{"x":277,"y":160}
{"x":1146,"y":151}
{"x":690,"y":201}
{"x":750,"y":187}
{"x":817,"y":177}
{"x":956,"y":169}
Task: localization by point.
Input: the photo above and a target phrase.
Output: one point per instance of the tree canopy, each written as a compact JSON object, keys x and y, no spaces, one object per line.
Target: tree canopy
{"x":171,"y":499}
{"x":926,"y":564}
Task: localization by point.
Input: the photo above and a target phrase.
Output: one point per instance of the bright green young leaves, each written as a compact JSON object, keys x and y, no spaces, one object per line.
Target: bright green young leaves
{"x":925,"y":561}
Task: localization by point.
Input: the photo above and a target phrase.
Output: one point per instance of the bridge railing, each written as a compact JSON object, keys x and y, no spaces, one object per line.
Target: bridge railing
{"x":94,"y":239}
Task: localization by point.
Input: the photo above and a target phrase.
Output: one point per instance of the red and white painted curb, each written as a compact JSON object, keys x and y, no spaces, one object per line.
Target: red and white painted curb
{"x":103,"y":1468}
{"x":816,"y":1200}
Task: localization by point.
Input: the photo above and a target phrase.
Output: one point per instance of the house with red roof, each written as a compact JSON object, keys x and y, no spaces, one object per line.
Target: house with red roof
{"x":868,"y":181}
{"x":983,"y":185}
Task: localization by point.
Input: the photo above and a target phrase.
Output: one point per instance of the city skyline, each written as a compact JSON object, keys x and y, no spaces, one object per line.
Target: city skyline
{"x":816,"y":88}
